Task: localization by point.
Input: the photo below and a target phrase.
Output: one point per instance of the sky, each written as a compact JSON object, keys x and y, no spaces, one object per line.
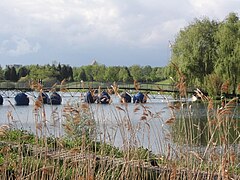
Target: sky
{"x":112,"y":32}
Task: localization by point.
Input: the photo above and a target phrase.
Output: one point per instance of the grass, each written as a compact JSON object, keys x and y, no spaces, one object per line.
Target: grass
{"x":195,"y":145}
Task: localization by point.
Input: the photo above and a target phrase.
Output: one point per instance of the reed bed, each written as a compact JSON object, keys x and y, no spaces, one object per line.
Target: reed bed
{"x":191,"y":145}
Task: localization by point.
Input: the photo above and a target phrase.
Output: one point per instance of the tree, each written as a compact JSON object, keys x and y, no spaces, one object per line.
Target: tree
{"x":7,"y":73}
{"x":23,"y":72}
{"x":124,"y":74}
{"x":136,"y":72}
{"x":98,"y":72}
{"x":160,"y":73}
{"x":82,"y":75}
{"x":228,"y":66}
{"x":146,"y":71}
{"x":11,"y":74}
{"x":64,"y":74}
{"x":111,"y":73}
{"x":1,"y":73}
{"x":194,"y":50}
{"x":88,"y":71}
{"x":70,"y":73}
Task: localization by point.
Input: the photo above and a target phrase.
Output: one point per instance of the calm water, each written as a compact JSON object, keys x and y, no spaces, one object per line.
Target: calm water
{"x":112,"y":122}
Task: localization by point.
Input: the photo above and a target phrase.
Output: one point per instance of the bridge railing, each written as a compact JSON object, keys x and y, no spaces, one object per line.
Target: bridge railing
{"x":95,"y":85}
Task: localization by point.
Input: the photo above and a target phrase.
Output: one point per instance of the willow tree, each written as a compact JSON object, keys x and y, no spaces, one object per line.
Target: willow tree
{"x":228,"y":51}
{"x":194,"y":50}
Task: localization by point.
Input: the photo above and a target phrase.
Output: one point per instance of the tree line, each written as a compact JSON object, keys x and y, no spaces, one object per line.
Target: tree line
{"x":96,"y":72}
{"x":36,"y":72}
{"x":207,"y":52}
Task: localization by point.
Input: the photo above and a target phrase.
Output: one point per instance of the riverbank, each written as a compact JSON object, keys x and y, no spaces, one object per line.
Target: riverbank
{"x":80,"y":154}
{"x":23,"y":156}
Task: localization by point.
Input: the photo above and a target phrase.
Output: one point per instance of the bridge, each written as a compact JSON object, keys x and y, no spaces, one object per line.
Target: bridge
{"x":10,"y":90}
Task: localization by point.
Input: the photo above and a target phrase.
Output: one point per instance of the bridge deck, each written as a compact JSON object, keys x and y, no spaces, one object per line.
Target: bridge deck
{"x":8,"y":91}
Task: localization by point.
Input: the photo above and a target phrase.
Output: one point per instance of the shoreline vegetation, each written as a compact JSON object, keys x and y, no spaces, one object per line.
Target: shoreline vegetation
{"x":202,"y":148}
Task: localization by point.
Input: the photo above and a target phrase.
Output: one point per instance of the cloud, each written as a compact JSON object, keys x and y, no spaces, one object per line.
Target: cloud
{"x":216,"y":9}
{"x":71,"y":26}
{"x":17,"y":46}
{"x":134,"y":23}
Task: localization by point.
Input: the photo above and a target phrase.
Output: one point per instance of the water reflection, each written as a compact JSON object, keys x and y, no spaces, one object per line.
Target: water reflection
{"x":147,"y":120}
{"x":197,"y":126}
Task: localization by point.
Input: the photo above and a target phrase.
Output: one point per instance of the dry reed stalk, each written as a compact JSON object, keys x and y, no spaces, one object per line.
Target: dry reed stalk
{"x":181,"y":84}
{"x":224,"y":167}
{"x":225,"y":87}
{"x":170,"y":121}
{"x":82,"y":84}
{"x":116,"y":91}
{"x":63,"y":86}
{"x":200,"y":94}
{"x":3,"y":130}
{"x":35,"y":85}
{"x":228,"y":109}
{"x":38,"y":104}
{"x":173,"y":173}
{"x":238,"y":88}
{"x":136,"y":85}
{"x":53,"y":88}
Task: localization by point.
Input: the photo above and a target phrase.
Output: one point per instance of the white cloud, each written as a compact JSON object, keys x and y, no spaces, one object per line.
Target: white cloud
{"x":72,"y":25}
{"x":17,"y":46}
{"x":216,"y":9}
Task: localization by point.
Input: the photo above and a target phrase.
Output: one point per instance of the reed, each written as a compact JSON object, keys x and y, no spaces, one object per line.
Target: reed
{"x":190,"y":145}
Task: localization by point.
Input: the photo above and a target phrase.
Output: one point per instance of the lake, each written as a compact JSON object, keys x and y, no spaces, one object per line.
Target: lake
{"x":142,"y":125}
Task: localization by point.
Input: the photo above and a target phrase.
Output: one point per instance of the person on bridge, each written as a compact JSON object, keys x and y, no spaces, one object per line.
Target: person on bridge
{"x":21,"y":99}
{"x":90,"y":97}
{"x":139,"y":98}
{"x":104,"y":98}
{"x":125,"y":97}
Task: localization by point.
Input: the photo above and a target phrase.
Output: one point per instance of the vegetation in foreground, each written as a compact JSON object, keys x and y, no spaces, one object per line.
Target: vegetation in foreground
{"x":190,"y":145}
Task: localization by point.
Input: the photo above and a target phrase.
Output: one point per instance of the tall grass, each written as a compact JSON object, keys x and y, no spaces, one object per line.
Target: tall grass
{"x":190,"y":145}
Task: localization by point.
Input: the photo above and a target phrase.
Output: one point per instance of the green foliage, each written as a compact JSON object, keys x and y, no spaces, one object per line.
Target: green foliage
{"x":228,"y":66}
{"x":208,"y":47}
{"x":1,"y":159}
{"x":111,"y":74}
{"x":79,"y":74}
{"x":212,"y":84}
{"x":1,"y":73}
{"x":51,"y":74}
{"x":18,"y":135}
{"x":136,"y":72}
{"x":124,"y":74}
{"x":194,"y":50}
{"x":79,"y":122}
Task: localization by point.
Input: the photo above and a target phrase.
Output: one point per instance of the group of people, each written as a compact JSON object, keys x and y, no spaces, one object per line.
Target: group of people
{"x":22,"y":99}
{"x":104,"y":97}
{"x":92,"y":97}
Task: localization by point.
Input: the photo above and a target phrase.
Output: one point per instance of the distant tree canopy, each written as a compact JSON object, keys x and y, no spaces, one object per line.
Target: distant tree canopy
{"x":102,"y":73}
{"x":207,"y":52}
{"x":96,"y":72}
